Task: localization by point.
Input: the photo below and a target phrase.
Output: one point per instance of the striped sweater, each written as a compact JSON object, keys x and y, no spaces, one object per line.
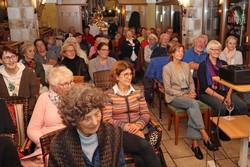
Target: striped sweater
{"x":121,"y":110}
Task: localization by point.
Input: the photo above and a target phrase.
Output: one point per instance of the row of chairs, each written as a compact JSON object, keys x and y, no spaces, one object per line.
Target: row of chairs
{"x":101,"y":80}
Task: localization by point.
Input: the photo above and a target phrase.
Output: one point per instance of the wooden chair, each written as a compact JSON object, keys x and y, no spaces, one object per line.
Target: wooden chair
{"x":102,"y":80}
{"x":45,"y":141}
{"x":176,"y":113}
{"x":114,"y":44}
{"x":20,"y":115}
{"x":78,"y":79}
{"x":140,"y":60}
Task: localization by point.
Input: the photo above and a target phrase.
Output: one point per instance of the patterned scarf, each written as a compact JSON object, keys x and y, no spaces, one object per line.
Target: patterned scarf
{"x":30,"y":64}
{"x":211,"y":71}
{"x":229,"y":55}
{"x":54,"y":97}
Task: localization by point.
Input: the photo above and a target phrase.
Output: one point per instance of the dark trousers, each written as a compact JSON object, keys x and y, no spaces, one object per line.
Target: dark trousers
{"x":143,"y":153}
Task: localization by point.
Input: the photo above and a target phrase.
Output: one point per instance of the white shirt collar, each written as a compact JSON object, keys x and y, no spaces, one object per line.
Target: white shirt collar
{"x":117,"y":90}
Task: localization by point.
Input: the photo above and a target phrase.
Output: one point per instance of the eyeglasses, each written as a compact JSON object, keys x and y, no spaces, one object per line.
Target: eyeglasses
{"x":126,"y":75}
{"x":107,"y":50}
{"x":216,"y":50}
{"x":66,"y":84}
{"x":70,"y":51}
{"x":8,"y":58}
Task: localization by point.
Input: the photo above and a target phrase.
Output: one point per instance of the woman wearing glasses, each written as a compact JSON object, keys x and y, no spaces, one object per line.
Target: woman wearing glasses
{"x":102,"y":61}
{"x":128,"y":109}
{"x":15,"y":79}
{"x":73,"y":62}
{"x":211,"y":92}
{"x":45,"y":117}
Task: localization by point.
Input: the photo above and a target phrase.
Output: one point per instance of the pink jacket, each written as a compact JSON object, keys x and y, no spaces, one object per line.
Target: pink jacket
{"x":45,"y":119}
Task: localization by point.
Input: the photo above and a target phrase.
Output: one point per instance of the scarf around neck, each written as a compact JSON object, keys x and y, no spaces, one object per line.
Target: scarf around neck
{"x":211,"y":71}
{"x":229,"y":55}
{"x":54,"y":97}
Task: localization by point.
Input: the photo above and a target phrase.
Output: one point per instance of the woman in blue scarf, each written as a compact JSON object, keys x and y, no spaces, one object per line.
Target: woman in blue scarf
{"x":213,"y":93}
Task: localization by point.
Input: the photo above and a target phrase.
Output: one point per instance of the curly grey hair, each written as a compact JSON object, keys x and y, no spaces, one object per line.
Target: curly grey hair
{"x":80,"y":100}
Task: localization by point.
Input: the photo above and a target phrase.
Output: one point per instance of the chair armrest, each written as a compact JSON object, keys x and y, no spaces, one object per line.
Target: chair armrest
{"x":27,"y":147}
{"x":154,"y":124}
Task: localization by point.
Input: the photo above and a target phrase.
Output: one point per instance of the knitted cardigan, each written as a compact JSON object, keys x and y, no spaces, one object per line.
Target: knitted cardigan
{"x":66,"y":151}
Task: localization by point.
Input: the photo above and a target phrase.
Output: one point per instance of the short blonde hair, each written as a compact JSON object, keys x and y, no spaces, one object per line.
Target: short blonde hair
{"x":231,"y":37}
{"x":153,"y":36}
{"x":164,"y":35}
{"x":65,"y":47}
{"x":25,"y":46}
{"x":58,"y":73}
{"x":213,"y":44}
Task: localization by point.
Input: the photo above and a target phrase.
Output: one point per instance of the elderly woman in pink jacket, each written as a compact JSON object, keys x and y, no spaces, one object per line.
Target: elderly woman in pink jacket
{"x":45,"y":117}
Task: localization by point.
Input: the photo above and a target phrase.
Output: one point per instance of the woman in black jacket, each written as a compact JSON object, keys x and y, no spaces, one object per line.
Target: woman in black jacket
{"x":73,"y":62}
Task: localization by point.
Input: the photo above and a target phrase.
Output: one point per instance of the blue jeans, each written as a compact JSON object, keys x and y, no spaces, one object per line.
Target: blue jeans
{"x":239,"y":104}
{"x":195,"y":121}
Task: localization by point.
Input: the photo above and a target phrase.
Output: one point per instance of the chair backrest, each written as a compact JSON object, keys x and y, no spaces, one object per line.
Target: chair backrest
{"x":78,"y":79}
{"x":102,"y":79}
{"x":140,"y":60}
{"x":19,"y":112}
{"x":45,"y":141}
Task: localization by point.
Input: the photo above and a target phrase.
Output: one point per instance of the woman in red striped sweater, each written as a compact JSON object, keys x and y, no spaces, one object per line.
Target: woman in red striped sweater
{"x":128,"y":109}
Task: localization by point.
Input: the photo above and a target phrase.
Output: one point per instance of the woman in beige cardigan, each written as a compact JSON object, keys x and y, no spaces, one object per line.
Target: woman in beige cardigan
{"x":180,"y":92}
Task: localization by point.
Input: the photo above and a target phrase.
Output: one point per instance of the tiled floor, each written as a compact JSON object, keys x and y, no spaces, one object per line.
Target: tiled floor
{"x":182,"y":156}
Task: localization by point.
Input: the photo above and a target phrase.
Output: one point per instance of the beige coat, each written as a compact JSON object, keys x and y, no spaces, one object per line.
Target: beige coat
{"x":172,"y":83}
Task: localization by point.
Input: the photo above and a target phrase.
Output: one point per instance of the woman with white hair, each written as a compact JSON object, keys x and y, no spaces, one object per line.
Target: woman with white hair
{"x":79,"y":51}
{"x":230,"y":54}
{"x":152,"y":40}
{"x":214,"y":93}
{"x":45,"y":117}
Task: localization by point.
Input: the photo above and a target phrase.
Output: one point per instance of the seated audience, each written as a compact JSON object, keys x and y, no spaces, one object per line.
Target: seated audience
{"x":73,"y":62}
{"x":45,"y":117}
{"x":79,"y":51}
{"x":98,"y":39}
{"x":50,"y":40}
{"x":130,"y":48}
{"x":162,"y":49}
{"x":145,"y":42}
{"x":94,"y":30}
{"x":158,"y":31}
{"x":195,"y":56}
{"x":113,"y":28}
{"x":6,"y":122}
{"x":27,"y":50}
{"x":82,"y":42}
{"x":42,"y":55}
{"x":87,"y":36}
{"x":119,"y":33}
{"x":86,"y":140}
{"x":211,"y":92}
{"x":230,"y":54}
{"x":174,"y":39}
{"x":102,"y":61}
{"x":71,"y":32}
{"x":8,"y":154}
{"x":150,"y":48}
{"x":169,"y":31}
{"x":142,"y":35}
{"x":128,"y":109}
{"x":16,"y":79}
{"x":123,"y":37}
{"x":180,"y":92}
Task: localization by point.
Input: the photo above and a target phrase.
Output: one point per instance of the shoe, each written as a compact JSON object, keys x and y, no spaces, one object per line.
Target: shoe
{"x":210,"y":146}
{"x":197,"y":152}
